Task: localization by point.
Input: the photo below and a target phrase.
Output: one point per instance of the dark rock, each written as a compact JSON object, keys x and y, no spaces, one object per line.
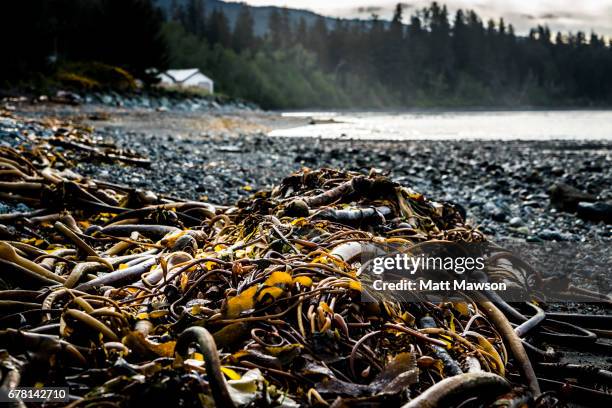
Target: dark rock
{"x":229,"y":149}
{"x":594,"y":168}
{"x":297,"y":208}
{"x":595,"y":211}
{"x":566,"y":197}
{"x":533,"y":177}
{"x":306,"y":158}
{"x":499,"y":217}
{"x":557,"y":171}
{"x":8,"y":232}
{"x":492,"y":167}
{"x":554,"y":235}
{"x":495,"y":212}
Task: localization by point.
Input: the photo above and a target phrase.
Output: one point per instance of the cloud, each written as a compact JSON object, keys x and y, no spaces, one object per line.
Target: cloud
{"x":369,"y":9}
{"x":559,"y":15}
{"x":563,"y":15}
{"x":549,"y":16}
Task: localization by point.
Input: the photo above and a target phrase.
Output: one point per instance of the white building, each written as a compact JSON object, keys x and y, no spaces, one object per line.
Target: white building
{"x":186,"y":78}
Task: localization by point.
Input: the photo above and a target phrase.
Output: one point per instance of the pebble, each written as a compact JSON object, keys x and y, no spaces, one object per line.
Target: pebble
{"x":523,"y":230}
{"x":496,"y":213}
{"x":515,"y":222}
{"x":554,"y":235}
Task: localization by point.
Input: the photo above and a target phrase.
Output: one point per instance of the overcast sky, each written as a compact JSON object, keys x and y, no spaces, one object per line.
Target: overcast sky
{"x":565,"y":15}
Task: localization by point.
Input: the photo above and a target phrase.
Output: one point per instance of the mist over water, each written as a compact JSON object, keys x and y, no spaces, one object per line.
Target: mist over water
{"x":456,"y":125}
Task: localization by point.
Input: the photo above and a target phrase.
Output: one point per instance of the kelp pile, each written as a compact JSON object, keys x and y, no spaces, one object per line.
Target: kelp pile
{"x":130,"y":298}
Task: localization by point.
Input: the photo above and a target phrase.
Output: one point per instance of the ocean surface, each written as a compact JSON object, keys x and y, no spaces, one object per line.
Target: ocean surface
{"x":454,"y":125}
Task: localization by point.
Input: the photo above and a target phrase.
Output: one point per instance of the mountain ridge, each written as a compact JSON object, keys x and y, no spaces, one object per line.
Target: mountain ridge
{"x":260,"y":13}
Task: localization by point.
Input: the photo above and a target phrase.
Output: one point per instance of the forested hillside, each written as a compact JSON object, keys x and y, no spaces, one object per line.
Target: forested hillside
{"x":429,"y":58}
{"x":426,"y":59}
{"x":260,"y":14}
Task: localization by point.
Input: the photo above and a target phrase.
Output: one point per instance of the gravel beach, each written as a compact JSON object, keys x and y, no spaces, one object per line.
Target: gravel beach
{"x":221,"y":154}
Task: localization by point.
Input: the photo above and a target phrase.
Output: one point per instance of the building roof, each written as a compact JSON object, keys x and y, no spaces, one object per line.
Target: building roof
{"x":181,"y":75}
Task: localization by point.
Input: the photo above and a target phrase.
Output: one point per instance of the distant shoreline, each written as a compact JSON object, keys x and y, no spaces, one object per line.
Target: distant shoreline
{"x":440,"y":124}
{"x":399,"y":110}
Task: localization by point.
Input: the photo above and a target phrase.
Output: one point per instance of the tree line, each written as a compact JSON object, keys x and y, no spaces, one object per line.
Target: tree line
{"x":39,"y":35}
{"x":433,"y":58}
{"x":428,"y":58}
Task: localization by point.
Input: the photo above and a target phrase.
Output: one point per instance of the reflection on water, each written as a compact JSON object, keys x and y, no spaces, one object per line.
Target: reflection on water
{"x":531,"y":125}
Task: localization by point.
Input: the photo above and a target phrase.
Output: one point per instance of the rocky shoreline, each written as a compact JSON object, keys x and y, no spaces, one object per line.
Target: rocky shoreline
{"x":158,"y":100}
{"x":222,"y":154}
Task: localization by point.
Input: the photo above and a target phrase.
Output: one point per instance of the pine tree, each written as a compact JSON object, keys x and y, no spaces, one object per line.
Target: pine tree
{"x":275,"y":28}
{"x":502,"y":27}
{"x":194,"y":17}
{"x":285,"y":33}
{"x":440,"y":55}
{"x":243,"y":36}
{"x":218,"y":31}
{"x":176,"y":11}
{"x":301,"y":32}
{"x":317,"y":40}
{"x":460,"y":41}
{"x":396,"y":27}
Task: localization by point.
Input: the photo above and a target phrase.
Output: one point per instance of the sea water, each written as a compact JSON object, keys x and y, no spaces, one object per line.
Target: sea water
{"x":454,"y":125}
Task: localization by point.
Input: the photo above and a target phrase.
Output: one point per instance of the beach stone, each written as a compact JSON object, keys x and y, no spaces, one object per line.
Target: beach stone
{"x":595,"y":211}
{"x":106,"y":99}
{"x":297,"y":208}
{"x":557,"y":171}
{"x":495,"y":212}
{"x":515,"y":222}
{"x":531,"y":203}
{"x":533,"y":177}
{"x":554,"y":235}
{"x":523,"y":230}
{"x":566,"y":197}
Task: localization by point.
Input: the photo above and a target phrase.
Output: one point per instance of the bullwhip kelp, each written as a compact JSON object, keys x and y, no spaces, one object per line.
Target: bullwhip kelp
{"x":129,"y":297}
